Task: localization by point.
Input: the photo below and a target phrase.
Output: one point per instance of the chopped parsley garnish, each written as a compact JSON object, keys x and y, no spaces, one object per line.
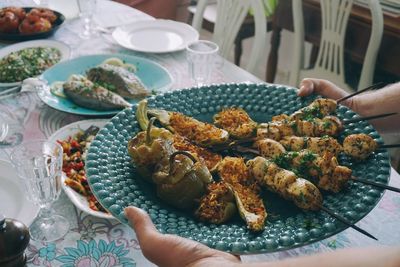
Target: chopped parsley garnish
{"x":310,"y":113}
{"x":326,"y":125}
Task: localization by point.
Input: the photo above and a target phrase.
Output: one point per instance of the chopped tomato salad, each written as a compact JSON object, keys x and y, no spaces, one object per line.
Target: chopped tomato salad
{"x":75,"y":148}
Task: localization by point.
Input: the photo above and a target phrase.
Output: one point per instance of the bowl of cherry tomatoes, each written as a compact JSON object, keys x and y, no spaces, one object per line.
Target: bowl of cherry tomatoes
{"x":28,"y":23}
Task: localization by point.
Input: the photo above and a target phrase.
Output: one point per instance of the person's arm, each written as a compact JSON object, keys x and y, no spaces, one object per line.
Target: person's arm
{"x":365,"y":257}
{"x":385,"y":100}
{"x":171,"y":250}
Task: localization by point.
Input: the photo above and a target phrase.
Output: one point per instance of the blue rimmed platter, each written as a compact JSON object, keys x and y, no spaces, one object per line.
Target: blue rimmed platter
{"x":115,"y":183}
{"x":155,"y":77}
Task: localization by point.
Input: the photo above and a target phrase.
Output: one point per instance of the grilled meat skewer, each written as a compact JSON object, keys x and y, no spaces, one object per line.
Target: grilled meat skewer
{"x":325,"y":170}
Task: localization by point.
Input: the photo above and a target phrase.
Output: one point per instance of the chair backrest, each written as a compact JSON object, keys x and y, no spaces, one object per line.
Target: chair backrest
{"x":330,"y":60}
{"x":230,"y":16}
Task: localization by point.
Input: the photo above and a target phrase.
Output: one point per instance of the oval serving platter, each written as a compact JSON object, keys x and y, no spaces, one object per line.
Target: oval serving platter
{"x":155,"y":77}
{"x":116,"y":185}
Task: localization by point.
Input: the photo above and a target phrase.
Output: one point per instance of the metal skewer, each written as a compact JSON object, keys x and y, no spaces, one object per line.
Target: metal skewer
{"x":368,"y":118}
{"x":327,"y":210}
{"x":348,"y":223}
{"x":383,"y":186}
{"x":242,"y":149}
{"x":389,"y":146}
{"x":374,"y":86}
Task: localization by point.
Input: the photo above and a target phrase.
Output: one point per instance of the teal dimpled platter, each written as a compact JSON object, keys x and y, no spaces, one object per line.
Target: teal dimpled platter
{"x":115,"y":183}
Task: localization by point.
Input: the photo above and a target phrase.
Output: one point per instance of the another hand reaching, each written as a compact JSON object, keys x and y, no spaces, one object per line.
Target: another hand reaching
{"x":385,"y":100}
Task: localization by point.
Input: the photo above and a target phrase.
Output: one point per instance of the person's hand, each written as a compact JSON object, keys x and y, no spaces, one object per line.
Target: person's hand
{"x":171,"y":250}
{"x":326,"y":89}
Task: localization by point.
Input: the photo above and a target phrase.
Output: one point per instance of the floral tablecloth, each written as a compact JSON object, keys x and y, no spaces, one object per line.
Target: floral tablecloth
{"x":99,"y":242}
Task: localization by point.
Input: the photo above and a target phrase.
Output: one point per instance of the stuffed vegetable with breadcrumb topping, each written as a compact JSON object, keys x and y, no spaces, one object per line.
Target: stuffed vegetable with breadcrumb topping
{"x":200,"y":133}
{"x":217,"y":205}
{"x":251,"y":208}
{"x":236,"y":122}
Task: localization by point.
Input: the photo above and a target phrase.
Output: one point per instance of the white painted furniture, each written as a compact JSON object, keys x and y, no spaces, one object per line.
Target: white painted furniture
{"x":330,"y":60}
{"x":229,"y":16}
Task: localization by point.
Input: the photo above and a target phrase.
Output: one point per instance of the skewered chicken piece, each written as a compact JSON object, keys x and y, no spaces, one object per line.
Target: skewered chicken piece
{"x":234,"y":172}
{"x":318,"y":145}
{"x":276,"y":130}
{"x":325,"y":170}
{"x":319,"y":108}
{"x":236,"y":122}
{"x":359,"y":146}
{"x":302,"y":192}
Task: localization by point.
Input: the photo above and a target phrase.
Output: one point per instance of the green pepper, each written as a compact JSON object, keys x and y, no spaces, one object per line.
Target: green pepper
{"x":149,"y":148}
{"x":185,"y":181}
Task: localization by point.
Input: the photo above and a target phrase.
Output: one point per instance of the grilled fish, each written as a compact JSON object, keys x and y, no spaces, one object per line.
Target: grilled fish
{"x":119,"y":80}
{"x":86,"y":94}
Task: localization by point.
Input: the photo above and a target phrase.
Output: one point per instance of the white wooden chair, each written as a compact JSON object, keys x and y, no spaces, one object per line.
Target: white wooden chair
{"x":330,"y":60}
{"x":230,"y":15}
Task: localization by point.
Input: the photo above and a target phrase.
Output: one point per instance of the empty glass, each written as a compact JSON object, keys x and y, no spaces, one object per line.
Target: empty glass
{"x":202,"y":56}
{"x":3,"y":128}
{"x":39,"y":165}
{"x":87,"y":8}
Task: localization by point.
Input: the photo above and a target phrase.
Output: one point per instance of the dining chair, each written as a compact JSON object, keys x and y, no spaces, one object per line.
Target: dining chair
{"x":330,"y":59}
{"x":230,"y":15}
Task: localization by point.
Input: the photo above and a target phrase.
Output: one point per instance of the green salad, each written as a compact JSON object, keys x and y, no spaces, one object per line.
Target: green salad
{"x":28,"y":62}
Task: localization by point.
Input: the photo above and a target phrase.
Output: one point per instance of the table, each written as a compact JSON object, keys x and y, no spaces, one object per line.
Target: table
{"x":356,"y":41}
{"x":33,"y":119}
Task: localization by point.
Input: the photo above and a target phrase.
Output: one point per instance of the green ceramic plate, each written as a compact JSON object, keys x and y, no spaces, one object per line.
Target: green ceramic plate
{"x":115,"y":183}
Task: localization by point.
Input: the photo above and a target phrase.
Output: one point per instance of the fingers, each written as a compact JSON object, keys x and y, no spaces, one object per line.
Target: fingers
{"x":141,"y":223}
{"x":306,"y":87}
{"x":321,"y":87}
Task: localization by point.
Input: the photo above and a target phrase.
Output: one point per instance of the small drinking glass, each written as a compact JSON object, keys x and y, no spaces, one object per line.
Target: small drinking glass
{"x":87,"y":8}
{"x":202,"y":56}
{"x":39,"y":166}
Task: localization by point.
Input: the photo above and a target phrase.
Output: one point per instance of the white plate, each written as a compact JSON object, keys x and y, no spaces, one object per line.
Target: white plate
{"x":63,"y":48}
{"x":155,"y":36}
{"x":13,"y":204}
{"x":77,"y":199}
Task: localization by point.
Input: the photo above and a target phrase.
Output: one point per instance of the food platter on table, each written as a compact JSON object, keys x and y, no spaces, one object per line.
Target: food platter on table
{"x":64,"y":53}
{"x":155,"y":36}
{"x":18,"y":36}
{"x":64,"y":133}
{"x":155,"y":78}
{"x":116,"y":183}
{"x":13,"y":203}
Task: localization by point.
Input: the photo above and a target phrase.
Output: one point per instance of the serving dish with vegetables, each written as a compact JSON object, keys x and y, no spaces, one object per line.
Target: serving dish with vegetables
{"x":251,"y":204}
{"x":29,"y":59}
{"x":75,"y":139}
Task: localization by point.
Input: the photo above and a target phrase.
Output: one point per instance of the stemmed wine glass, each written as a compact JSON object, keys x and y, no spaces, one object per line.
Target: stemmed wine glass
{"x":87,"y":8}
{"x":39,"y":166}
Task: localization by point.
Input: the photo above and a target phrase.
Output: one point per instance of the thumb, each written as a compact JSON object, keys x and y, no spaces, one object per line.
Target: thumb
{"x":306,"y":87}
{"x":141,"y":223}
